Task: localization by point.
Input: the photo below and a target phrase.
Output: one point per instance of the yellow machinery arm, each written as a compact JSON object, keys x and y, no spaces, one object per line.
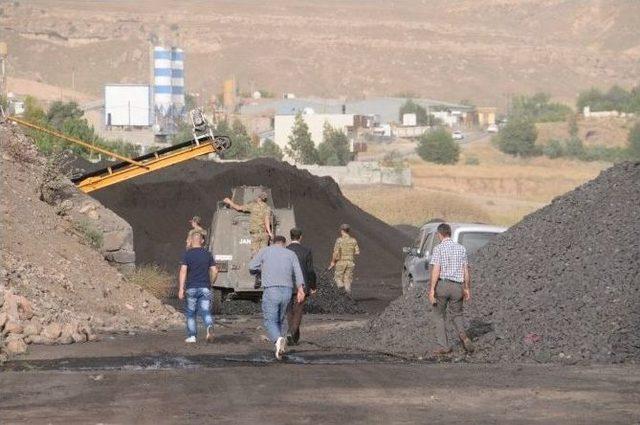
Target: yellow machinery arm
{"x":203,"y":143}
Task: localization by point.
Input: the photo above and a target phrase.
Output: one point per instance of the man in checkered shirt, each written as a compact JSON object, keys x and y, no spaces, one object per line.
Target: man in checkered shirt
{"x":450,"y":285}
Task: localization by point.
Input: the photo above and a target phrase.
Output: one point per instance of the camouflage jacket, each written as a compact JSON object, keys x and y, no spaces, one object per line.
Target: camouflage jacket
{"x":345,"y":249}
{"x":258,"y":211}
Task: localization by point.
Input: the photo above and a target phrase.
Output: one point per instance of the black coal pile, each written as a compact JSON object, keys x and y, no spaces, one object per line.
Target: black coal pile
{"x":158,"y":206}
{"x":563,"y":285}
{"x":331,"y":299}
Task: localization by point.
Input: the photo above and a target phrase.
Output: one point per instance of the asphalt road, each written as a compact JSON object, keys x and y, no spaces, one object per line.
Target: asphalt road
{"x":157,"y":379}
{"x":325,"y":394}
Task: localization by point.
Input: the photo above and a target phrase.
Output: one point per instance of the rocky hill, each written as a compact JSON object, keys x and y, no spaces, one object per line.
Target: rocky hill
{"x":467,"y":49}
{"x":56,"y":286}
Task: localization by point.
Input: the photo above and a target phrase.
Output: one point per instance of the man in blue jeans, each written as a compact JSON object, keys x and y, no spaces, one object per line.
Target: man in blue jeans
{"x":197,"y":271}
{"x":281,"y":272}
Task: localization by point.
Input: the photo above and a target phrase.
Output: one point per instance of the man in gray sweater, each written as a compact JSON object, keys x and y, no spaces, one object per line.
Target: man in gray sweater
{"x":281,"y":273}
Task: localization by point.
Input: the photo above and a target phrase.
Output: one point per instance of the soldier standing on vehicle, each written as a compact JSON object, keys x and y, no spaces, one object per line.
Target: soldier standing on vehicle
{"x":195,"y":227}
{"x":259,"y":221}
{"x":344,"y":253}
{"x":449,"y":286}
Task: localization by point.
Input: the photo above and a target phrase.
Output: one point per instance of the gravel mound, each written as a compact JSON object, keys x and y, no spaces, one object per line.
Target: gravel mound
{"x":331,"y":299}
{"x":563,"y":285}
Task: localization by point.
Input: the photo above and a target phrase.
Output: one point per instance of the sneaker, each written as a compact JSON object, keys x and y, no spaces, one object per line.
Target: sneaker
{"x":283,"y":347}
{"x":209,"y":333}
{"x":279,"y":343}
{"x":190,"y":340}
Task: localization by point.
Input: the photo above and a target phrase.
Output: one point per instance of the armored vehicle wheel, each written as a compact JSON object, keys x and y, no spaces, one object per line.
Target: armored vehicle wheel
{"x":218,"y":298}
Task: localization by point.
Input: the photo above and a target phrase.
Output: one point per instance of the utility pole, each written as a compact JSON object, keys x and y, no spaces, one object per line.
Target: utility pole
{"x":3,"y":70}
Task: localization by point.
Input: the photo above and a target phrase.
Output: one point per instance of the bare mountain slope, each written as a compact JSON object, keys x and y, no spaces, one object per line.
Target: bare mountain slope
{"x":478,"y":50}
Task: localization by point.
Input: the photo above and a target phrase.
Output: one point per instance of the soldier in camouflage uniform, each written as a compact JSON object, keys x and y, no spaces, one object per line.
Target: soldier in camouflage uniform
{"x":195,"y":228}
{"x":259,"y":221}
{"x":344,"y":252}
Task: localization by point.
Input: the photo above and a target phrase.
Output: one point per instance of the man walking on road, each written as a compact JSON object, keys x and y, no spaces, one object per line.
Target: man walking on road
{"x":259,"y":221}
{"x":344,"y":253}
{"x":197,"y":271}
{"x":449,"y":285}
{"x":281,"y":273}
{"x":306,"y":264}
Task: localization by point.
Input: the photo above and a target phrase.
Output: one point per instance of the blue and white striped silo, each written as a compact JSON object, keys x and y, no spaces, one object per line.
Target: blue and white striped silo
{"x":162,"y":87}
{"x":177,"y":78}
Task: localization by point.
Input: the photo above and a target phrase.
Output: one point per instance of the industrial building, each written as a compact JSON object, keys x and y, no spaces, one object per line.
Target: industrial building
{"x":168,"y":88}
{"x":127,"y":105}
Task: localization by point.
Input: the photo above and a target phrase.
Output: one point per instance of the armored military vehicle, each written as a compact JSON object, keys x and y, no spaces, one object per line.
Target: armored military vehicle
{"x":231,"y":244}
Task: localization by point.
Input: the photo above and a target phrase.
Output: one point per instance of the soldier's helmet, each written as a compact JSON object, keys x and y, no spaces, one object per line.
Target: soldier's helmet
{"x":345,"y":227}
{"x":263,"y":196}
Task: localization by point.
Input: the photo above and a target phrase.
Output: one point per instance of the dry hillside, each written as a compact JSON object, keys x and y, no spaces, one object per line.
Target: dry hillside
{"x":467,"y":49}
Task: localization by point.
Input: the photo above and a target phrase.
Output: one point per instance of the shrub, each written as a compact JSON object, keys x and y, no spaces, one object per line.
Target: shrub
{"x":438,"y":146}
{"x":554,"y":149}
{"x":393,"y":160}
{"x":154,"y":279}
{"x":518,"y":138}
{"x":91,"y":234}
{"x":538,"y":108}
{"x":634,"y":141}
{"x":334,"y":149}
{"x":615,"y":99}
{"x":269,"y":149}
{"x":574,"y":148}
{"x":604,"y":153}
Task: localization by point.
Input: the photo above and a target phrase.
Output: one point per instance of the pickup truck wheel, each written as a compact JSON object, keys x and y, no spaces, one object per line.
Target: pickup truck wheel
{"x":407,"y":282}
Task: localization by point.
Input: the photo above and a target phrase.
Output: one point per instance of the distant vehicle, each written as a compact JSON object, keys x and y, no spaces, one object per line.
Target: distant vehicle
{"x":415,"y":270}
{"x":493,"y":128}
{"x":231,"y":244}
{"x":457,"y":135}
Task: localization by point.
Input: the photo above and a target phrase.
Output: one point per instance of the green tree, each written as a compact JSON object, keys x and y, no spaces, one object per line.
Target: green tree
{"x":422,"y":118}
{"x":334,"y":149}
{"x":33,"y":112}
{"x":59,"y":112}
{"x":438,"y":146}
{"x":574,"y":148}
{"x":634,"y":141}
{"x":270,"y":150}
{"x":539,"y":108}
{"x":572,"y":122}
{"x":241,"y":146}
{"x":518,"y":137}
{"x":615,"y":99}
{"x":300,"y":147}
{"x":554,"y":149}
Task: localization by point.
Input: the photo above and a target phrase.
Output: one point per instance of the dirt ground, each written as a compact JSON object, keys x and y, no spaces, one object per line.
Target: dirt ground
{"x":155,"y":378}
